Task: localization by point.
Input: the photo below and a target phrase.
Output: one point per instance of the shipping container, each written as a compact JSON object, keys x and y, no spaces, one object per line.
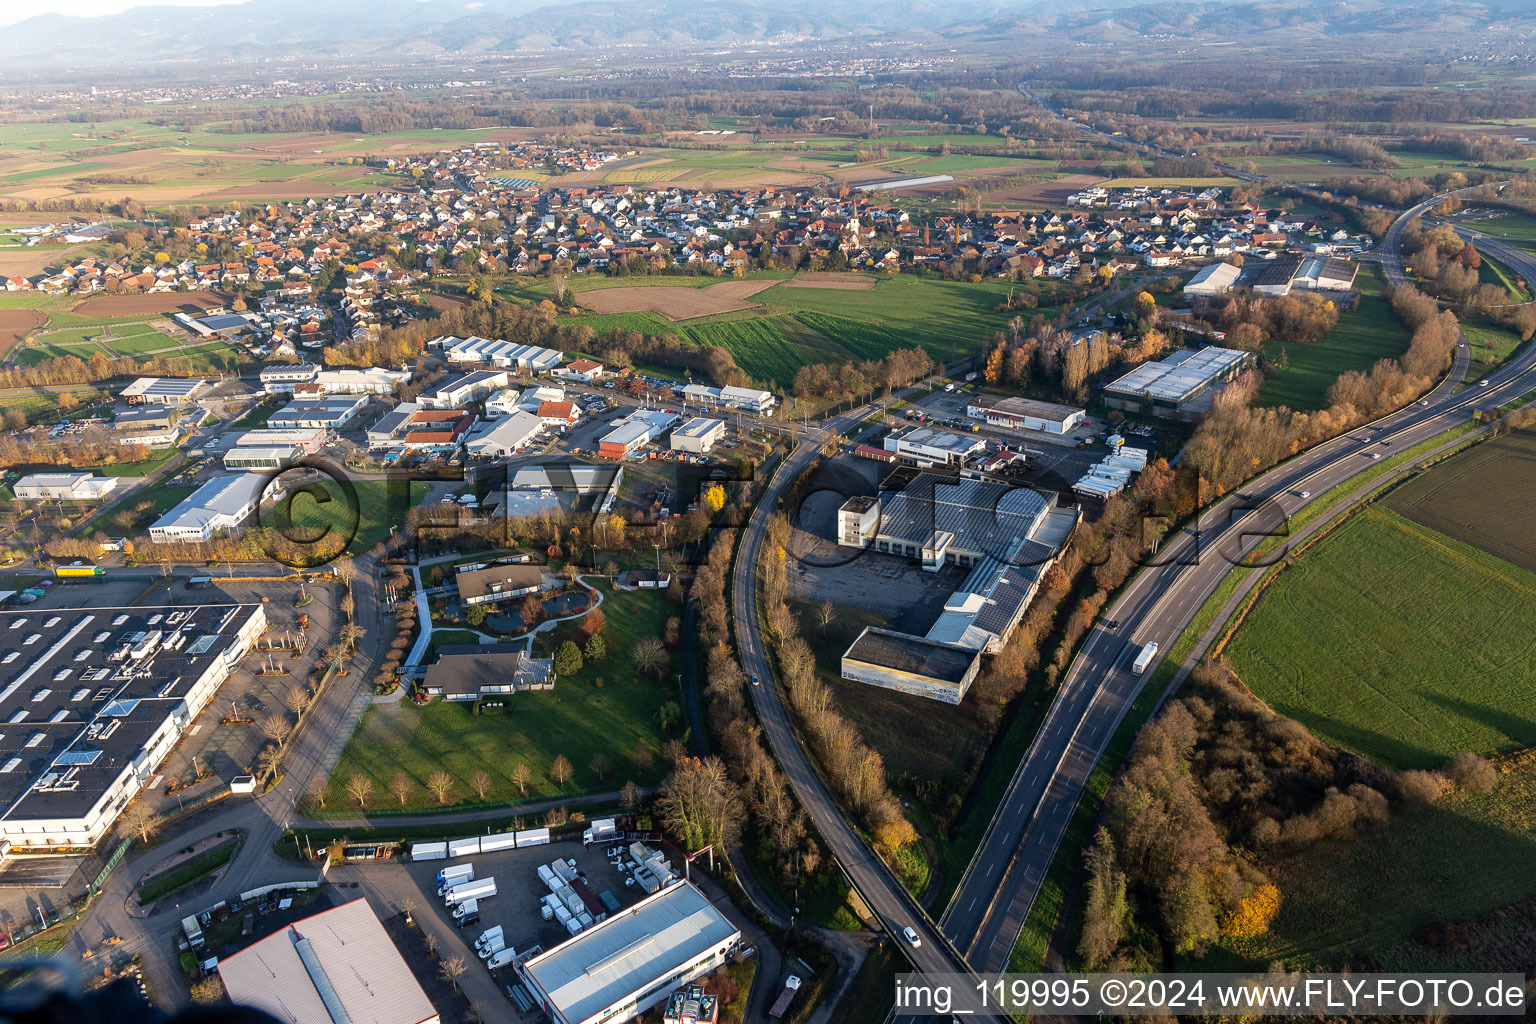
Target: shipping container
{"x":499,"y":841}
{"x":464,"y":847}
{"x":533,"y":837}
{"x":429,"y":851}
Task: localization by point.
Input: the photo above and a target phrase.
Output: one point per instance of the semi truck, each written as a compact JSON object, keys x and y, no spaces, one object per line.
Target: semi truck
{"x":477,"y":889}
{"x":1144,"y":659}
{"x":602,"y":830}
{"x":450,"y":877}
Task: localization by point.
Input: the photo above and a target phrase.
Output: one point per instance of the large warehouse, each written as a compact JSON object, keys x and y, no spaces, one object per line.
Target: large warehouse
{"x":221,"y":505}
{"x":1008,"y":536}
{"x":63,"y":487}
{"x":1013,"y":413}
{"x":621,"y":967}
{"x":1178,"y":385}
{"x":330,"y":968}
{"x":94,"y":699}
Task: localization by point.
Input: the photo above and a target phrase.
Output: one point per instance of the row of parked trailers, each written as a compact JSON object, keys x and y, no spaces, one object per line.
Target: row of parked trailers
{"x":472,"y":845}
{"x":1110,"y":475}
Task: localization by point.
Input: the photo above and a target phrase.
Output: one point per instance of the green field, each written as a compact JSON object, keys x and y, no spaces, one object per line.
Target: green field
{"x":1489,"y":347}
{"x":1465,"y":856}
{"x":1363,"y":335}
{"x":319,"y":515}
{"x":1397,"y":642}
{"x":577,"y":719}
{"x":1515,"y":226}
{"x":155,"y":461}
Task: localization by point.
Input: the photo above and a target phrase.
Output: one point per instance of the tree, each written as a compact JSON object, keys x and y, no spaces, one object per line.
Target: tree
{"x":700,"y":805}
{"x":714,"y":498}
{"x":629,"y":796}
{"x":276,"y":727}
{"x":561,"y":770}
{"x":319,"y":790}
{"x":591,"y":624}
{"x":520,"y":775}
{"x":268,"y":760}
{"x":361,"y":787}
{"x":567,"y":659}
{"x":139,"y":820}
{"x":480,"y":782}
{"x":400,"y":787}
{"x":1253,"y":914}
{"x":641,"y":757}
{"x":669,"y":715}
{"x":351,"y":633}
{"x":1469,"y":772}
{"x":532,"y":611}
{"x":475,"y":616}
{"x":208,"y":990}
{"x":440,"y":785}
{"x":297,"y":699}
{"x":452,"y":969}
{"x":600,"y":765}
{"x":825,"y":613}
{"x":596,"y":648}
{"x":650,"y":655}
{"x":1106,"y":909}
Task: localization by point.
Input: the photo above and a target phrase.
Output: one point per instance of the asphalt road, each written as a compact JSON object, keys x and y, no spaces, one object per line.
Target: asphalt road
{"x":989,"y":910}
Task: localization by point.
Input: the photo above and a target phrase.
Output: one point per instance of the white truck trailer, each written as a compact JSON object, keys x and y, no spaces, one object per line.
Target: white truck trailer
{"x":477,"y":889}
{"x":450,"y":877}
{"x":429,"y":851}
{"x":601,"y":830}
{"x":1144,"y":659}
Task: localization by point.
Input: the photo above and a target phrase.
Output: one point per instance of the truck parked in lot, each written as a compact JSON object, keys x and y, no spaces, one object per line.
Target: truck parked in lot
{"x":491,"y":941}
{"x":1144,"y":659}
{"x":467,"y":914}
{"x":501,"y":958}
{"x":450,"y":877}
{"x":477,"y":889}
{"x":602,"y":830}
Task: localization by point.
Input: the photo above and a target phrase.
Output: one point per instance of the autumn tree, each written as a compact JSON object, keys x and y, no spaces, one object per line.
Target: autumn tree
{"x":140,"y":821}
{"x":520,"y":776}
{"x":1106,"y":909}
{"x":700,"y":804}
{"x":641,"y":757}
{"x":297,"y":699}
{"x":600,"y":765}
{"x":452,"y":969}
{"x":319,"y":790}
{"x":360,"y":787}
{"x":276,"y":727}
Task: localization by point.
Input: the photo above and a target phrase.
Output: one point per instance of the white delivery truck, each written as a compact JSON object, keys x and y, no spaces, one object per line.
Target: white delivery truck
{"x":490,"y":941}
{"x":429,"y":851}
{"x":1144,"y":659}
{"x":450,"y":877}
{"x":501,"y":958}
{"x":478,"y":889}
{"x":466,"y":914}
{"x":602,"y":830}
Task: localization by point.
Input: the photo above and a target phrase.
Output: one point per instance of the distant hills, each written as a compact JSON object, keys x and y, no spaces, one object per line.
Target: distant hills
{"x":406,"y":29}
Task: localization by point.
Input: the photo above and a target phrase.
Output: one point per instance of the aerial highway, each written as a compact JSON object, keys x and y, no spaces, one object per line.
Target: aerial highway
{"x":989,"y":910}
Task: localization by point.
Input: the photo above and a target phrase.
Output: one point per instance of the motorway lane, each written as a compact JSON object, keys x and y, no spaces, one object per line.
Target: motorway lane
{"x":986,"y":917}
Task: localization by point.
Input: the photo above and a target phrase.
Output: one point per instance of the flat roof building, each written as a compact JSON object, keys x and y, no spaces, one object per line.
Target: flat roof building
{"x":333,"y":967}
{"x":1272,"y":278}
{"x":567,"y":476}
{"x":477,"y":671}
{"x":698,"y":434}
{"x":94,"y":699}
{"x":927,"y":446}
{"x":1174,"y":384}
{"x":221,"y":505}
{"x":329,"y":413}
{"x":469,"y":387}
{"x":63,"y":487}
{"x":497,"y":352}
{"x":911,"y":664}
{"x":1025,"y":414}
{"x":164,"y":390}
{"x":495,"y":583}
{"x":1216,"y":279}
{"x":499,"y":438}
{"x":747,"y":399}
{"x":1326,"y":274}
{"x":636,"y":430}
{"x":260,"y":458}
{"x":623,"y":966}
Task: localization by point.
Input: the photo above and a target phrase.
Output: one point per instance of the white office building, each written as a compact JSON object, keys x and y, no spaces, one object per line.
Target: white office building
{"x":501,"y":437}
{"x":697,"y":435}
{"x":221,"y":505}
{"x":63,"y":487}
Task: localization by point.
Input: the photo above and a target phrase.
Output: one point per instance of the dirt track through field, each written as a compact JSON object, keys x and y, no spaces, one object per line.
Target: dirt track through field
{"x":677,"y":303}
{"x":15,"y":324}
{"x":160,"y":302}
{"x":831,"y":279}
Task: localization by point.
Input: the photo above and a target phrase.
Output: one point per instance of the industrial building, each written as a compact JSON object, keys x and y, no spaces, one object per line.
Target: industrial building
{"x":148,"y":426}
{"x":1325,"y":274}
{"x":746,"y":399}
{"x":1272,"y":278}
{"x":1216,"y":279}
{"x":94,"y":699}
{"x":331,"y":413}
{"x":478,"y":671}
{"x":215,"y":324}
{"x":410,"y":427}
{"x":1008,"y":536}
{"x":929,"y":447}
{"x":619,"y":968}
{"x":63,"y":487}
{"x":310,"y":379}
{"x":260,"y":459}
{"x":330,"y":968}
{"x":911,"y":664}
{"x":499,"y":438}
{"x":577,"y":477}
{"x":495,"y":352}
{"x":636,"y":430}
{"x":308,"y":439}
{"x":459,"y":392}
{"x":1179,"y":385}
{"x":698,"y":434}
{"x":221,"y":505}
{"x":495,"y":583}
{"x":164,"y":390}
{"x":1025,"y":414}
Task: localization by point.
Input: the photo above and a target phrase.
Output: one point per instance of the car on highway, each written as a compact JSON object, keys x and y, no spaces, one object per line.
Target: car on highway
{"x":911,"y":936}
{"x":755,"y":681}
{"x":1423,"y":401}
{"x":1303,"y":494}
{"x":1482,"y":383}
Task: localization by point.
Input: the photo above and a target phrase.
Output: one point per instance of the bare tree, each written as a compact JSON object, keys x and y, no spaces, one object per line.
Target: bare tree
{"x":361,"y":787}
{"x":600,"y":765}
{"x":650,"y":655}
{"x":348,"y":605}
{"x":452,"y":970}
{"x":268,"y":760}
{"x":700,"y":804}
{"x":440,"y":785}
{"x":641,"y":757}
{"x":561,"y":770}
{"x":408,"y":905}
{"x":520,"y":777}
{"x":298,"y":699}
{"x":276,"y":727}
{"x":345,"y":571}
{"x":139,"y":820}
{"x":319,"y":790}
{"x":480,"y":782}
{"x":351,"y":633}
{"x":629,"y":796}
{"x":430,"y":941}
{"x":825,"y":613}
{"x":400,"y":787}
{"x":674,"y":749}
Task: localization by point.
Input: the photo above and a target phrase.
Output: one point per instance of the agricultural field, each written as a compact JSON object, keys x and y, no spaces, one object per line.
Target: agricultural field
{"x":607,"y":708}
{"x":1397,"y":642}
{"x":676,"y":303}
{"x":1485,"y":497}
{"x":1363,"y":335}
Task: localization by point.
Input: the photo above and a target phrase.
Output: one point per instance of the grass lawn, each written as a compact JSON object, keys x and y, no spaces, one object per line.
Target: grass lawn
{"x":1494,"y":272}
{"x":255,"y":417}
{"x":1467,"y":855}
{"x":872,"y":992}
{"x":161,"y":499}
{"x":1490,"y":347}
{"x":148,"y":466}
{"x":1425,"y":653}
{"x":1363,"y":335}
{"x":1515,"y":225}
{"x":577,"y":719}
{"x":188,"y":873}
{"x":317,"y":512}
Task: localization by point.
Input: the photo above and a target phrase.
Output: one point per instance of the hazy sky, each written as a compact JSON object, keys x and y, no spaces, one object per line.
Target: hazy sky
{"x":14,"y":12}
